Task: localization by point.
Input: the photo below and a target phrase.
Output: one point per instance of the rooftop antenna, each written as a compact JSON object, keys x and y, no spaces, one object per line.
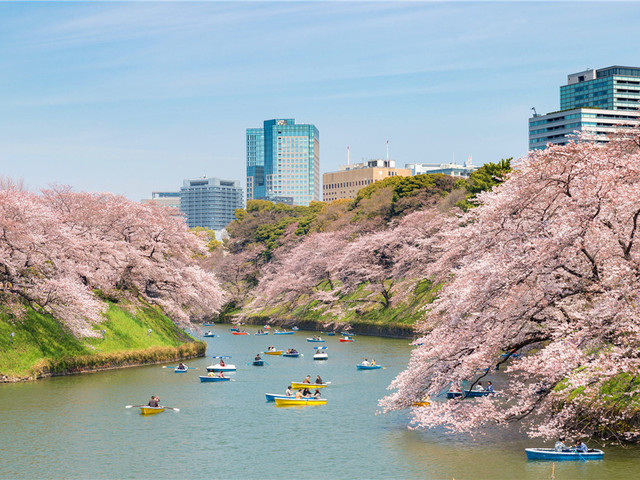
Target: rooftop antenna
{"x":347,"y":154}
{"x":387,"y":151}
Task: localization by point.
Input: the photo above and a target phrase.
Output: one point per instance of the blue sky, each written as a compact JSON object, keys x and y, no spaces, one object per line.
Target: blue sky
{"x":134,"y":97}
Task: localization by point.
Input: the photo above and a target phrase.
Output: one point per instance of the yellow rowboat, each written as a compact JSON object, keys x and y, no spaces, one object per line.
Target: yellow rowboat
{"x":420,"y":404}
{"x":151,"y":410}
{"x":285,"y":402}
{"x":301,"y":386}
{"x":274,"y":352}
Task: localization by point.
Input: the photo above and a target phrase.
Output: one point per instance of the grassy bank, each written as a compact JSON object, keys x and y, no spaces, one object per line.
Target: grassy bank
{"x":360,"y":309}
{"x":41,"y":347}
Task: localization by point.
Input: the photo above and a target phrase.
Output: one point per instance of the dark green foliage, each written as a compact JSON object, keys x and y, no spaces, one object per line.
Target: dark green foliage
{"x":484,"y":179}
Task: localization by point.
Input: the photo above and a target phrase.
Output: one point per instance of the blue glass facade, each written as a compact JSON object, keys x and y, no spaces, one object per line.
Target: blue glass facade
{"x":612,"y":88}
{"x":289,"y":155}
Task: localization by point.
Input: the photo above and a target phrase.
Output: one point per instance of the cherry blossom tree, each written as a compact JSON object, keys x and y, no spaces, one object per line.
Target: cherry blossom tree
{"x":547,"y":265}
{"x":58,"y":248}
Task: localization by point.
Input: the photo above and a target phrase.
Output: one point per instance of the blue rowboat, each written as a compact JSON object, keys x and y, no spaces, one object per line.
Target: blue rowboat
{"x":181,"y":370}
{"x":271,"y":397}
{"x":264,"y":333}
{"x":469,"y":394}
{"x":209,"y":334}
{"x":234,"y":329}
{"x":368,"y":367}
{"x":295,"y":329}
{"x":551,"y":454}
{"x":283,"y":333}
{"x":315,"y":340}
{"x":208,"y":324}
{"x":205,"y":378}
{"x":330,"y":334}
{"x":347,"y":334}
{"x":257,"y":363}
{"x":293,"y":355}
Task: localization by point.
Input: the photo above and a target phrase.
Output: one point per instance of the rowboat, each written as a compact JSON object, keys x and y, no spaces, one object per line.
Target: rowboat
{"x":239,"y":333}
{"x":286,"y":402}
{"x":295,"y":329}
{"x":272,"y":396}
{"x":234,"y":329}
{"x":296,"y":354}
{"x":420,"y":404}
{"x":301,"y":386}
{"x":347,"y":334}
{"x":314,"y":340}
{"x":208,"y":324}
{"x":347,"y":339}
{"x":551,"y":454}
{"x":283,"y":333}
{"x":206,"y":378}
{"x":151,"y":410}
{"x":257,"y":363}
{"x":469,"y":394}
{"x":263,"y":333}
{"x":181,"y":370}
{"x":330,"y":334}
{"x":219,"y":368}
{"x":368,"y":367}
{"x":320,"y":355}
{"x":208,"y":334}
{"x":273,"y":352}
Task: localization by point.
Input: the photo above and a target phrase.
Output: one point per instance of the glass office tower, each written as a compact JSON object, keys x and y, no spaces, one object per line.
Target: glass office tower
{"x":283,"y":162}
{"x":594,"y":103}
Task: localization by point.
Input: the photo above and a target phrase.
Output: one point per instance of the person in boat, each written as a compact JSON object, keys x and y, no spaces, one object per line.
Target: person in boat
{"x":316,"y":394}
{"x":289,"y":391}
{"x":365,"y":363}
{"x":490,"y":388}
{"x":222,"y":364}
{"x":581,"y":447}
{"x":560,"y":446}
{"x":306,"y":393}
{"x":211,"y":374}
{"x":182,"y":366}
{"x":318,"y":380}
{"x":293,"y":350}
{"x":455,"y":389}
{"x":478,"y":387}
{"x":307,"y":380}
{"x":154,"y":401}
{"x":221,"y":375}
{"x":271,"y":348}
{"x":258,"y":358}
{"x":299,"y":395}
{"x":373,"y":362}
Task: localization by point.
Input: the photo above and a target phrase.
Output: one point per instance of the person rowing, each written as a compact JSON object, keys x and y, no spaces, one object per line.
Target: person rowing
{"x":289,"y":392}
{"x":258,"y":358}
{"x":307,"y":380}
{"x":365,"y":363}
{"x":316,"y":395}
{"x":154,"y":401}
{"x":182,"y":366}
{"x":318,"y":380}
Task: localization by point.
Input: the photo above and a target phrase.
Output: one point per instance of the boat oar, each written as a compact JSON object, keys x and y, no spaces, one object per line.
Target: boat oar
{"x":580,"y":456}
{"x":173,"y":408}
{"x":134,"y":406}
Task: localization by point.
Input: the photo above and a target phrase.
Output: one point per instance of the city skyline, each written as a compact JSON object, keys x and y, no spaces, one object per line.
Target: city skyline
{"x":134,"y":97}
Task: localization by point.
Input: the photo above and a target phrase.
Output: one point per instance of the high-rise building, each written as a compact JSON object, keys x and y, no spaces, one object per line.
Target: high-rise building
{"x":594,"y":102}
{"x":346,"y":182}
{"x":210,"y":202}
{"x":283,"y":161}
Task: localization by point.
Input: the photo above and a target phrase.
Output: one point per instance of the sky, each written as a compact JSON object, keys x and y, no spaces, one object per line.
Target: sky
{"x":134,"y":97}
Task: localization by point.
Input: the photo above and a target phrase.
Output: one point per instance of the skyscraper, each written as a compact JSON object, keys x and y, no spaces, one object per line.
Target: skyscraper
{"x":210,"y":202}
{"x":594,"y":102}
{"x":283,"y":162}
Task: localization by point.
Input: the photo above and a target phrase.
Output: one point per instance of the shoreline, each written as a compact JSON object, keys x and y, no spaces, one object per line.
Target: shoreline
{"x":58,"y":367}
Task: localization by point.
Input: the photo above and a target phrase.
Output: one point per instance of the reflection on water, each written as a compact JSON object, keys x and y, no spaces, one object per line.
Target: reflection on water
{"x":77,"y":427}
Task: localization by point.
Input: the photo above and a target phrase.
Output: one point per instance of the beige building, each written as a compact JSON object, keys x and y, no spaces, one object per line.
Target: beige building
{"x":346,"y":182}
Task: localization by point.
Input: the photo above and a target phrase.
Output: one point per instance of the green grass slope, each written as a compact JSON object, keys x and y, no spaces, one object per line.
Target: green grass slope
{"x":41,"y":346}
